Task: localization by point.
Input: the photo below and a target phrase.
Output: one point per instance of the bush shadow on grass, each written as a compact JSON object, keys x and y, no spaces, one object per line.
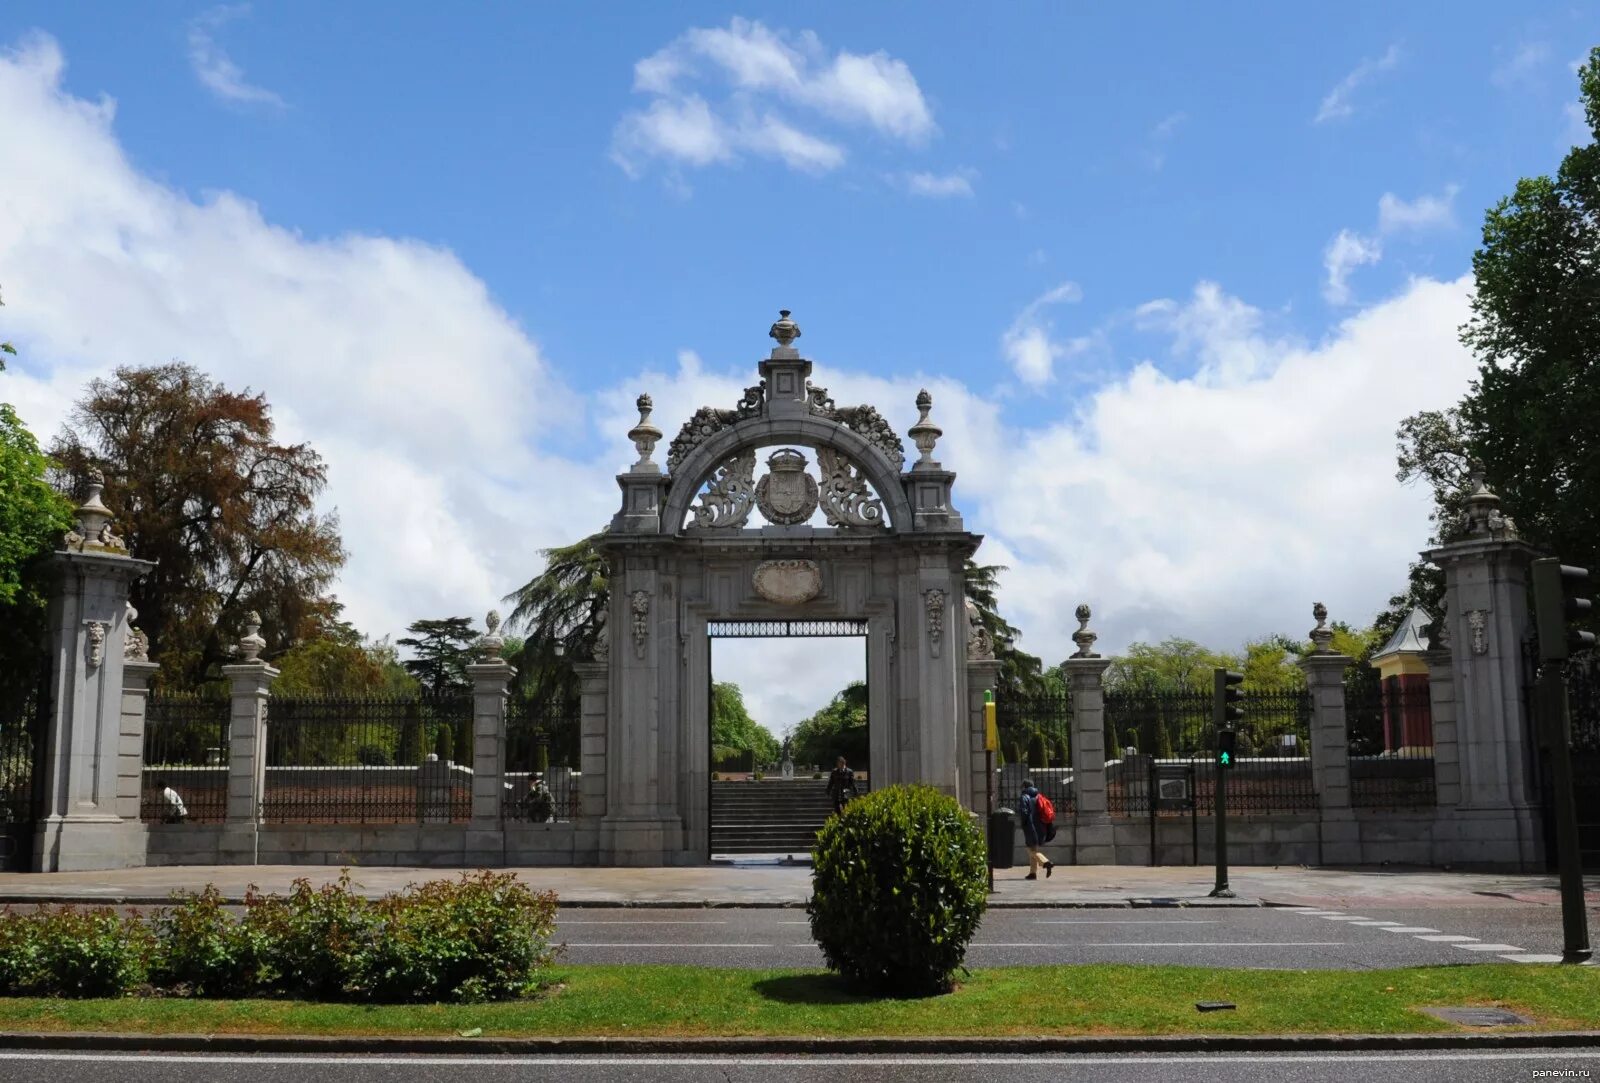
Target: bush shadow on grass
{"x":818,"y":989}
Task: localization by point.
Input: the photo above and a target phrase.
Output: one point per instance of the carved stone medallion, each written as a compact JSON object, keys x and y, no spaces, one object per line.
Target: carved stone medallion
{"x":788,"y":582}
{"x":787,"y":494}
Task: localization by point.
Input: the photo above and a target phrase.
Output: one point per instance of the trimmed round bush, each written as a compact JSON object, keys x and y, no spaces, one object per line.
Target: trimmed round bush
{"x":1038,"y":755}
{"x":898,"y":888}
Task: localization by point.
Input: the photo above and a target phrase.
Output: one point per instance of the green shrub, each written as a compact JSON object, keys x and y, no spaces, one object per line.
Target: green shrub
{"x":1013,"y":751}
{"x":311,"y":937}
{"x":1131,"y":739}
{"x":19,"y":952}
{"x":482,"y":937}
{"x":1063,"y":755}
{"x":81,"y":953}
{"x":759,"y":776}
{"x":1037,"y":756}
{"x":1163,"y":741}
{"x":541,"y":757}
{"x":898,"y":888}
{"x":202,"y":948}
{"x":444,"y":744}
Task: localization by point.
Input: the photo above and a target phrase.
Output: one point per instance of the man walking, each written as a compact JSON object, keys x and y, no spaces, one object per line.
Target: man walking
{"x":1036,"y":830}
{"x":841,"y":785}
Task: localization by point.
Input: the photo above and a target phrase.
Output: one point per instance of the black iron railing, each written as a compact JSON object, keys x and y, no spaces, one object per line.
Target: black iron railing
{"x":1035,"y":743}
{"x":541,"y":761}
{"x":186,"y":751}
{"x":1389,"y":734}
{"x":398,"y":760}
{"x":1272,"y":766}
{"x":24,"y":720}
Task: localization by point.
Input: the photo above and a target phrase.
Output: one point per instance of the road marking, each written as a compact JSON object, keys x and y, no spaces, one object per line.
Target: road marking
{"x":1410,"y":929}
{"x":1376,"y":924}
{"x":1317,"y":913}
{"x":646,"y":922}
{"x":1182,"y":944}
{"x":1339,"y":917}
{"x":920,"y":1061}
{"x":1532,"y":958}
{"x":1448,"y":938}
{"x":1489,"y":947}
{"x":677,"y":944}
{"x":1125,"y":921}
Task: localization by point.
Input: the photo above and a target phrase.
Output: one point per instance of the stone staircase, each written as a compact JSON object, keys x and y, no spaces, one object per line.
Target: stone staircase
{"x":773,"y":816}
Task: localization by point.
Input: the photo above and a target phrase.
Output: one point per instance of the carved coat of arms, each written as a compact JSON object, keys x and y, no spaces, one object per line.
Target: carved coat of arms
{"x":787,"y":494}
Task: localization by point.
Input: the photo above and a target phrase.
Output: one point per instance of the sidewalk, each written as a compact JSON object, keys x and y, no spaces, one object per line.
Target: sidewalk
{"x":772,"y":885}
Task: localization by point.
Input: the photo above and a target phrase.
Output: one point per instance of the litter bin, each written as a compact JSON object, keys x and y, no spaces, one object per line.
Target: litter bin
{"x":1002,"y":838}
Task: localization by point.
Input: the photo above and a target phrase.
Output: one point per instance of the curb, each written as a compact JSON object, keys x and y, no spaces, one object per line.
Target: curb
{"x":237,"y":899}
{"x":786,"y":1046}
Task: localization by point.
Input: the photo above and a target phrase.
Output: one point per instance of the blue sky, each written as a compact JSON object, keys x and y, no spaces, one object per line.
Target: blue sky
{"x":1078,"y":225}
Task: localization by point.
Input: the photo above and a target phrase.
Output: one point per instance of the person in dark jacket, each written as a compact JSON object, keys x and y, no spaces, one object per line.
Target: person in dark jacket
{"x":841,"y":785}
{"x":1034,"y":833}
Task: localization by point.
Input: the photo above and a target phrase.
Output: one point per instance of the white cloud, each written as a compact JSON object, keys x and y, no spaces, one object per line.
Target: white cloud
{"x":212,"y":65}
{"x":941,"y":186}
{"x":1155,"y":150}
{"x":1578,"y":132}
{"x":1424,"y":212}
{"x":1344,"y":254}
{"x":1522,"y":66}
{"x":1336,"y":105}
{"x":1027,"y":342}
{"x":741,"y":74}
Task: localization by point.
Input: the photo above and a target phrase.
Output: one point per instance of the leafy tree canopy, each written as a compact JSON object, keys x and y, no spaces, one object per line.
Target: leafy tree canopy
{"x":560,"y":611}
{"x":200,"y":486}
{"x":331,"y":667}
{"x":1532,"y":416}
{"x":441,"y":651}
{"x":1019,"y":670}
{"x":839,"y":729}
{"x":33,"y":516}
{"x":732,"y":726}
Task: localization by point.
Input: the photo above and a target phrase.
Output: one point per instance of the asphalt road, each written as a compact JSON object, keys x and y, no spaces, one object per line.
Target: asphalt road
{"x":1249,"y":937}
{"x":1451,"y":1066}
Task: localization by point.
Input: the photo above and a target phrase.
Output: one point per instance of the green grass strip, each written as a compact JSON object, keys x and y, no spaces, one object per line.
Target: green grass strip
{"x":1055,"y":1000}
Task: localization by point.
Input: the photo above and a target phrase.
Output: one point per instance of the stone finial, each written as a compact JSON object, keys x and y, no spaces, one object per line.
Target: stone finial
{"x":785,"y":330}
{"x":93,"y":528}
{"x":1321,"y":635}
{"x":491,"y":643}
{"x":1483,"y":517}
{"x":251,"y":644}
{"x":644,"y":435}
{"x":1083,"y":637}
{"x":925,"y":433}
{"x":135,"y":645}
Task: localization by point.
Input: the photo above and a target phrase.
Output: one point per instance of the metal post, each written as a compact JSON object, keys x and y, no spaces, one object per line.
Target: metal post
{"x":1557,"y":727}
{"x":1222,"y":890}
{"x":988,"y":801}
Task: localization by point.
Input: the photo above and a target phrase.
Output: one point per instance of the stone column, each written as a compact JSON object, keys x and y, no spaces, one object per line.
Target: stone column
{"x":1486,"y":617}
{"x":1085,"y":672}
{"x":137,"y":671}
{"x":249,"y":688}
{"x":491,"y":679}
{"x":83,"y":825}
{"x":595,"y":679}
{"x":1330,"y":745}
{"x":1446,"y":749}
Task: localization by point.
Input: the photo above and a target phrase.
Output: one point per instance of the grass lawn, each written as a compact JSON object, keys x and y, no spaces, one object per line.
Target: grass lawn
{"x":1059,"y":1000}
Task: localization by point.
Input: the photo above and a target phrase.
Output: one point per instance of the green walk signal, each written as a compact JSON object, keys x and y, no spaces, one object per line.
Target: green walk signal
{"x":1226,"y":697}
{"x":1556,"y":606}
{"x":1227,"y":745}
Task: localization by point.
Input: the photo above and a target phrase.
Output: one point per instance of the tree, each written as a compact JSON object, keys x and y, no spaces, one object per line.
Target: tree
{"x":228,"y":514}
{"x":33,"y":517}
{"x":442,"y":650}
{"x":839,"y":729}
{"x":5,"y":348}
{"x":733,"y":728}
{"x":1174,"y":665}
{"x":560,"y":610}
{"x":1532,"y":416}
{"x":1020,"y":672}
{"x":331,"y":667}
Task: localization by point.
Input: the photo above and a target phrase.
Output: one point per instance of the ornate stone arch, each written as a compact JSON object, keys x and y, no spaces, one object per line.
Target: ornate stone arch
{"x":890,"y":561}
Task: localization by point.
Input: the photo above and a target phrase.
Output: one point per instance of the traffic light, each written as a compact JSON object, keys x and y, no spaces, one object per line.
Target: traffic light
{"x":1226,"y":743}
{"x":1556,"y":605}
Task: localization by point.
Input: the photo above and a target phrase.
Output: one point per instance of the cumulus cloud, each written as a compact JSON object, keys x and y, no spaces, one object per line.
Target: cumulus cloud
{"x":941,"y":185}
{"x":1349,"y":250}
{"x":214,"y":68}
{"x":1336,"y":104}
{"x":1027,"y":342}
{"x":1344,"y":254}
{"x":1424,"y":212}
{"x":730,"y":82}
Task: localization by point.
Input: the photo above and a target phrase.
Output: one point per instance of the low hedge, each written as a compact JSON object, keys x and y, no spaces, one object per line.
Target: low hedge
{"x":483,"y":937}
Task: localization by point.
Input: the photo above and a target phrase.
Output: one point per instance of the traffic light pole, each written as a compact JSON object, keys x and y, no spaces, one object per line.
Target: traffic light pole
{"x":1569,"y":859}
{"x":1225,"y":698}
{"x":1222,"y":890}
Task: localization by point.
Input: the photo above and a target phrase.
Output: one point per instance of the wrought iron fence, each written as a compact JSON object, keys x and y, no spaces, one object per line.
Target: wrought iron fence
{"x":24,"y":721}
{"x":1036,"y":743}
{"x":186,"y":750}
{"x":1272,"y":765}
{"x":396,"y":760}
{"x":541,"y":761}
{"x":1389,"y":733}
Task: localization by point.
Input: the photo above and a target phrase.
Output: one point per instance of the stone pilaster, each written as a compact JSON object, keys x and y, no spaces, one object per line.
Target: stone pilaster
{"x":1496,"y":820}
{"x":249,"y":689}
{"x":1085,"y":677}
{"x":491,"y":680}
{"x":1446,"y":747}
{"x":84,"y":826}
{"x":1330,"y":755}
{"x":982,"y":676}
{"x":136,"y":677}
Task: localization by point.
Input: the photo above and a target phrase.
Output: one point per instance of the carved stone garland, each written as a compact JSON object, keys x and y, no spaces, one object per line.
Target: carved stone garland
{"x":934,"y":599}
{"x":845,"y":498}
{"x":864,"y":421}
{"x":730,"y":495}
{"x":641,"y":620}
{"x":708,"y":421}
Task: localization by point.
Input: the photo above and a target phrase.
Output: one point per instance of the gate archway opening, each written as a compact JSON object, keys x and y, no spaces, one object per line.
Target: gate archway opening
{"x":770,"y":808}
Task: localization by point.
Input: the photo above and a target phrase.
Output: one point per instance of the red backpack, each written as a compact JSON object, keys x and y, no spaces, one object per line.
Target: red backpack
{"x":1045,"y":811}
